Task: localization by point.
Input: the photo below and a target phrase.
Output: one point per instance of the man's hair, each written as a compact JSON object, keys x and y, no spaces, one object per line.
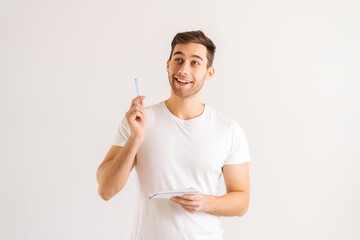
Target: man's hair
{"x":195,"y":37}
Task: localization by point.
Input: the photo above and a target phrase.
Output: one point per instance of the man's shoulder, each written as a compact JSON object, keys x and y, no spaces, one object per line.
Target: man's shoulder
{"x":222,"y":119}
{"x":219,"y":116}
{"x":155,"y":106}
{"x":154,"y":111}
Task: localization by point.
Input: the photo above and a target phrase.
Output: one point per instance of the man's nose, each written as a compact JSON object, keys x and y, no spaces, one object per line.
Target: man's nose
{"x":184,"y":69}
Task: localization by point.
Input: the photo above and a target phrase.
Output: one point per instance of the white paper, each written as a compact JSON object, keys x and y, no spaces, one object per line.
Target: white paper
{"x":172,"y":193}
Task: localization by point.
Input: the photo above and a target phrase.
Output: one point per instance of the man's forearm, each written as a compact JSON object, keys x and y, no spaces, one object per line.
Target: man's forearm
{"x":230,"y":204}
{"x":112,"y":175}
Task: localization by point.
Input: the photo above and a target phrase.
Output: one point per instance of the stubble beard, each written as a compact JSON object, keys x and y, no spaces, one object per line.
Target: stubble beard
{"x":189,"y":92}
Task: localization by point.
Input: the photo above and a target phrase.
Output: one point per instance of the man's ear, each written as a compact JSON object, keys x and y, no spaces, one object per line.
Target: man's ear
{"x":167,"y":65}
{"x":211,"y":72}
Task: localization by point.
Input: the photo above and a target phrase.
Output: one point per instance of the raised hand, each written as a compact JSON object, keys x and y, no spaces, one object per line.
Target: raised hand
{"x":136,"y":118}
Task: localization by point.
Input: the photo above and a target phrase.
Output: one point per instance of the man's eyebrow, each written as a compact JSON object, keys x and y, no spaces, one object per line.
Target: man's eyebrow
{"x":197,"y":56}
{"x":181,"y":53}
{"x":178,"y":52}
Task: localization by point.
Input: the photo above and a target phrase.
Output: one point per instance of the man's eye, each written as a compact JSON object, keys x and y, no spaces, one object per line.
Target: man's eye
{"x":195,"y":63}
{"x":178,"y":60}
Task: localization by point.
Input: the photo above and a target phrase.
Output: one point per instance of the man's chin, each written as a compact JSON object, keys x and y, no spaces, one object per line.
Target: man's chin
{"x":180,"y":93}
{"x":183,"y":94}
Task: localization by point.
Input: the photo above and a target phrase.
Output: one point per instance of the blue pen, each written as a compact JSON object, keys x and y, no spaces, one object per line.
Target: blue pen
{"x":137,"y":89}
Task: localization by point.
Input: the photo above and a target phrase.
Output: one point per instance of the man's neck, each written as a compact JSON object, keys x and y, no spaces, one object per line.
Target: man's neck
{"x":185,"y":109}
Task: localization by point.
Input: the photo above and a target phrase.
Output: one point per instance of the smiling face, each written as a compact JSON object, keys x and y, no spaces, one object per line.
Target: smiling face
{"x":187,"y":69}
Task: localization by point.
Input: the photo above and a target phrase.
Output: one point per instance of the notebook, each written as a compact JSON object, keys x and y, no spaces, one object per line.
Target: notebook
{"x":172,"y":193}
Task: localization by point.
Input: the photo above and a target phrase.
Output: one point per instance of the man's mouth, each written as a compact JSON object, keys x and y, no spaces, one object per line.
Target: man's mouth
{"x":182,"y":82}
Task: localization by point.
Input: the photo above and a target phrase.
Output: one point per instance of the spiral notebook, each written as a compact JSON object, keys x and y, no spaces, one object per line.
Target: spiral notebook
{"x":172,"y":193}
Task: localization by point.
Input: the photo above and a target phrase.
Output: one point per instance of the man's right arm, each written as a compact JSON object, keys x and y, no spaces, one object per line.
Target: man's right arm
{"x":114,"y":171}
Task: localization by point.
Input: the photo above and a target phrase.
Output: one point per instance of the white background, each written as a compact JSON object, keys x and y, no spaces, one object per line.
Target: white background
{"x":287,"y":71}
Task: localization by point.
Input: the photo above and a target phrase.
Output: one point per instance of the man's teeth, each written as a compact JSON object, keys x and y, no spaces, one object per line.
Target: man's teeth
{"x":181,"y":81}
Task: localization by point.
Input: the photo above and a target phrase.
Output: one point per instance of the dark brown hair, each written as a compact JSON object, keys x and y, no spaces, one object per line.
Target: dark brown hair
{"x":195,"y":37}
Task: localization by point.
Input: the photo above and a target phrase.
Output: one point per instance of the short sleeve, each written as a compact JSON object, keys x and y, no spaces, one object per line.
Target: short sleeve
{"x":122,"y":133}
{"x":239,"y":148}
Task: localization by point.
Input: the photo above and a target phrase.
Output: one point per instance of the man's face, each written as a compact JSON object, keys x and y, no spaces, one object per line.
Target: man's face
{"x":188,"y":64}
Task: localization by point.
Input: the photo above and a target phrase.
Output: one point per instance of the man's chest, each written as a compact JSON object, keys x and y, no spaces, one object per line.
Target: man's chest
{"x":198,"y":149}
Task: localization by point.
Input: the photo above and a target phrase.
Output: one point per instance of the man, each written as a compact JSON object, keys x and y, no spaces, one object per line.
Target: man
{"x":180,"y":143}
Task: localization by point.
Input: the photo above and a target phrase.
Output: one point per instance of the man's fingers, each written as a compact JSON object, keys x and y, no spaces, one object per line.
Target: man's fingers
{"x":190,"y":197}
{"x":137,"y":110}
{"x":137,"y":99}
{"x":190,"y":209}
{"x":191,"y":206}
{"x":179,"y":200}
{"x":185,"y":201}
{"x":136,"y":113}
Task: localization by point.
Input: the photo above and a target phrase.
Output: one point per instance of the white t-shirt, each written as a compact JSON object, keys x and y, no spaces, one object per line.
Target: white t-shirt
{"x":179,"y":154}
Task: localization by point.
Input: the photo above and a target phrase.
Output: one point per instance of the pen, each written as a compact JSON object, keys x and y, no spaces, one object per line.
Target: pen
{"x":137,"y":89}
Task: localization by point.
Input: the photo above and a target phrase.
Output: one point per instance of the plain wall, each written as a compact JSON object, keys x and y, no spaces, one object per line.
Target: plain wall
{"x":287,"y":71}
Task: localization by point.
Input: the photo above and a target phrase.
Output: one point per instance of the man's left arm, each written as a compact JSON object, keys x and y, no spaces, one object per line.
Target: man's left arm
{"x":234,"y":203}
